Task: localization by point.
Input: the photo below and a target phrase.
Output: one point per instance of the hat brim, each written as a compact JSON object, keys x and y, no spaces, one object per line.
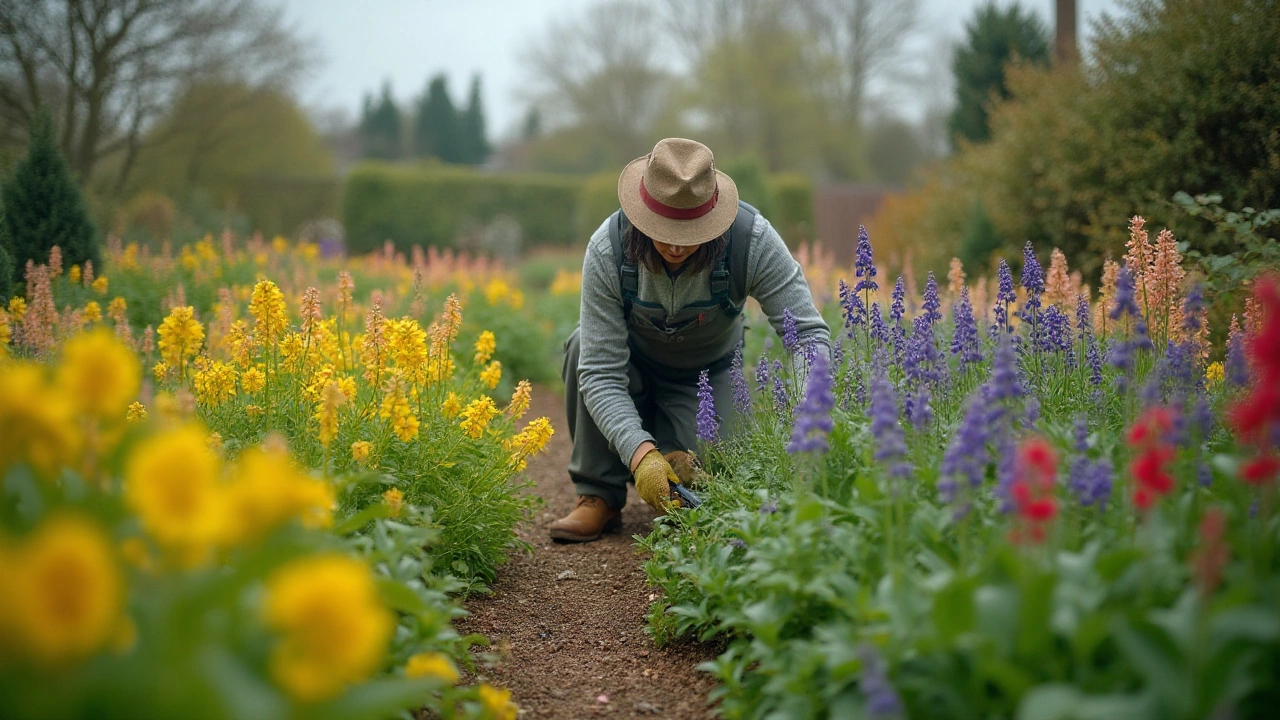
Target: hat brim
{"x":676,"y":232}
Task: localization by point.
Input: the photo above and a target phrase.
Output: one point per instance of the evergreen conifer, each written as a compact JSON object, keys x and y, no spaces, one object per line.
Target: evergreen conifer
{"x":473,"y":131}
{"x":437,"y":132}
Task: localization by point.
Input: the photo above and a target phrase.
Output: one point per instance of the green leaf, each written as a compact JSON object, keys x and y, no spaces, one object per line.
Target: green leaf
{"x":1156,"y":659}
{"x":1254,"y":623}
{"x":1034,"y":609}
{"x":401,"y":597}
{"x":953,"y":611}
{"x":1049,"y":702}
{"x":380,"y":698}
{"x":377,"y":511}
{"x":244,"y":694}
{"x":994,"y":607}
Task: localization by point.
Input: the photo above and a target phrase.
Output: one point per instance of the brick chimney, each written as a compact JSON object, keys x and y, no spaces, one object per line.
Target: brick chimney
{"x":1065,"y":49}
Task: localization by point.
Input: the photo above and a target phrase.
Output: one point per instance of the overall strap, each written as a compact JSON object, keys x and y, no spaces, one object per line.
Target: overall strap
{"x":628,"y":273}
{"x":729,"y":277}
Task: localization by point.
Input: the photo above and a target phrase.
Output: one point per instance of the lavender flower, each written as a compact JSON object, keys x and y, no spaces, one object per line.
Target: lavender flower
{"x":781,"y":400}
{"x":964,"y":342}
{"x":1056,"y":335}
{"x":1125,"y":302}
{"x":741,"y":394}
{"x":882,"y":699}
{"x":813,"y":421}
{"x":1084,"y":318}
{"x":708,"y":423}
{"x":1191,"y":308}
{"x":762,"y":375}
{"x":1094,"y":359}
{"x":1004,"y":296}
{"x":1100,"y":480}
{"x":1006,"y":455}
{"x":863,"y":265}
{"x":966,"y":457}
{"x":1141,"y":338}
{"x":1204,"y":475}
{"x":1032,"y":273}
{"x":768,"y":508}
{"x":1004,"y":383}
{"x":1237,"y":366}
{"x":837,"y":354}
{"x":738,"y":543}
{"x":932,"y":305}
{"x":921,"y":414}
{"x":854,"y":311}
{"x":790,"y":337}
{"x":897,"y":309}
{"x":879,"y":330}
{"x":891,"y":444}
{"x":1202,"y":416}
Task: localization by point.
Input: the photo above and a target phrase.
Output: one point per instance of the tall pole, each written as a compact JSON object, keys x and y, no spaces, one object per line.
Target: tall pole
{"x":1065,"y":50}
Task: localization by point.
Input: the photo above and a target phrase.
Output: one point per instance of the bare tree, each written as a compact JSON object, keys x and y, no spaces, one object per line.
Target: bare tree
{"x":110,"y":68}
{"x":870,"y":38}
{"x":602,"y":72}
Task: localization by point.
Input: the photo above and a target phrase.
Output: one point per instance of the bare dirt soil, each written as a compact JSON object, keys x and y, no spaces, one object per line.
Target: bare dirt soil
{"x":567,"y":621}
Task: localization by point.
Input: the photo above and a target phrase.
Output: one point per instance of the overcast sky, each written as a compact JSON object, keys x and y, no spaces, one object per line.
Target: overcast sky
{"x":364,"y":42}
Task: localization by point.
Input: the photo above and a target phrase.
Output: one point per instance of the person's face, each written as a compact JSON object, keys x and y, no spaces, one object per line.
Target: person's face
{"x":675,"y":255}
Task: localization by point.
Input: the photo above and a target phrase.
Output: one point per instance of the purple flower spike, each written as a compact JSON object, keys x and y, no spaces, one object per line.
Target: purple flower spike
{"x":964,"y":342}
{"x":897,"y":309}
{"x":790,"y":337}
{"x":1237,"y":365}
{"x":813,"y":415}
{"x":863,"y":265}
{"x":1191,"y":308}
{"x":762,"y":375}
{"x":1004,"y":296}
{"x":932,"y":305}
{"x":1126,"y":296}
{"x":891,"y":444}
{"x":781,"y":400}
{"x":966,"y":457}
{"x":708,"y":423}
{"x":879,"y":331}
{"x":1032,"y":273}
{"x":882,"y":699}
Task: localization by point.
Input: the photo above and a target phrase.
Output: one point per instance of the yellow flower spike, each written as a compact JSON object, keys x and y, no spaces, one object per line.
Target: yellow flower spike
{"x":92,"y":312}
{"x":253,"y":411}
{"x":268,"y":311}
{"x":66,"y":590}
{"x":1213,"y":374}
{"x":485,"y":346}
{"x":73,"y":275}
{"x":451,"y":406}
{"x":497,"y":702}
{"x":520,"y":400}
{"x":215,"y":383}
{"x":267,"y":490}
{"x":6,"y":334}
{"x":253,"y":380}
{"x":332,"y":398}
{"x":38,"y":423}
{"x":171,"y":484}
{"x":492,"y":374}
{"x":99,"y":374}
{"x":160,"y":370}
{"x":395,"y":500}
{"x":180,"y":337}
{"x":434,"y":665}
{"x":100,"y":285}
{"x":360,"y":450}
{"x":136,"y":412}
{"x":333,"y":627}
{"x":529,"y":442}
{"x":476,"y":417}
{"x":215,"y":441}
{"x":17,"y":308}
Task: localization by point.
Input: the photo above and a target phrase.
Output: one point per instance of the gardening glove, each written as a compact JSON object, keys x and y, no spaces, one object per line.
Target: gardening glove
{"x":652,"y":477}
{"x":687,"y":468}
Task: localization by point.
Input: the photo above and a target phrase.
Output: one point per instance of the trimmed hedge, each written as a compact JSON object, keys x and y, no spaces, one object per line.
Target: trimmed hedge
{"x":430,"y":206}
{"x":426,"y":205}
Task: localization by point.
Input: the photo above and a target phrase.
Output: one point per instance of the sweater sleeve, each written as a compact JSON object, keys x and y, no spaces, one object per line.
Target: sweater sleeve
{"x":775,"y":279}
{"x":602,"y":364}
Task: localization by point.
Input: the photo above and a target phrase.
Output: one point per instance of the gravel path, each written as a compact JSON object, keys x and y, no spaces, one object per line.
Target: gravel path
{"x":568,"y":620}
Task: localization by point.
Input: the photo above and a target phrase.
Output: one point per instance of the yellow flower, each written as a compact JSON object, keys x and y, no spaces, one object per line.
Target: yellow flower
{"x":396,"y":407}
{"x":38,"y":422}
{"x":327,"y":413}
{"x":516,"y":299}
{"x":1213,"y":374}
{"x":268,"y":311}
{"x":360,"y":450}
{"x":253,"y":380}
{"x":477,"y":416}
{"x":566,"y":283}
{"x":214,"y":440}
{"x":431,"y":665}
{"x":452,"y":405}
{"x":66,"y":590}
{"x":136,"y":412}
{"x":334,"y":628}
{"x":171,"y":484}
{"x":267,"y":490}
{"x":100,"y":285}
{"x":117,"y":307}
{"x":92,"y":312}
{"x":253,"y":411}
{"x":74,"y":274}
{"x":520,"y":400}
{"x":160,"y":369}
{"x":215,"y":383}
{"x":529,"y":442}
{"x":497,"y":702}
{"x":17,"y":308}
{"x":492,"y":374}
{"x":180,"y":337}
{"x":496,"y":291}
{"x":99,"y":374}
{"x":5,"y":334}
{"x":395,"y":500}
{"x":485,"y":347}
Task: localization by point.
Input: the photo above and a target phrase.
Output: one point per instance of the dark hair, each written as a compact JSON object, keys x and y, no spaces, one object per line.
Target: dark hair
{"x":639,"y":247}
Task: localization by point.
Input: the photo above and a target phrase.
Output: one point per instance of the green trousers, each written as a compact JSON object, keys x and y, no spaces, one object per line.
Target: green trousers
{"x":667,"y":401}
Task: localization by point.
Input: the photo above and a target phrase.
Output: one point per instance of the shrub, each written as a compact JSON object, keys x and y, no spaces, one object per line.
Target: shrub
{"x":430,"y":206}
{"x":792,"y":203}
{"x":44,"y":207}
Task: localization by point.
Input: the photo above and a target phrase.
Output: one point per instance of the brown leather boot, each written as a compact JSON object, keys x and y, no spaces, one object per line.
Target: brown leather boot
{"x":590,"y":517}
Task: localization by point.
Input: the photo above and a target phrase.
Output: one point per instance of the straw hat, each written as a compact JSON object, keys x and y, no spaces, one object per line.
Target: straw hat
{"x":675,"y":194}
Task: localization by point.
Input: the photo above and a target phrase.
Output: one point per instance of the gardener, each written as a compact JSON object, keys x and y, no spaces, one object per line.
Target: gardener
{"x":664,"y":281}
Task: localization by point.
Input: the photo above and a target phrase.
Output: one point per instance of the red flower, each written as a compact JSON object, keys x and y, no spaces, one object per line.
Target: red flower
{"x":1208,"y":561}
{"x":1260,"y":470}
{"x":1150,"y":467}
{"x":1033,"y":488}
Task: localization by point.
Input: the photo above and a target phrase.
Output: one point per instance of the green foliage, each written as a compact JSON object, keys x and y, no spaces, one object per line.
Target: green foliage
{"x":597,"y":200}
{"x":792,"y":201}
{"x":44,"y":207}
{"x":994,"y":37}
{"x":980,"y":239}
{"x":7,"y":283}
{"x":436,"y":130}
{"x":380,"y":127}
{"x":431,"y":206}
{"x":752,"y":179}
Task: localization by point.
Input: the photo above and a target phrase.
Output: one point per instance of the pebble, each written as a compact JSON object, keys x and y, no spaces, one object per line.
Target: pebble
{"x":566,"y":575}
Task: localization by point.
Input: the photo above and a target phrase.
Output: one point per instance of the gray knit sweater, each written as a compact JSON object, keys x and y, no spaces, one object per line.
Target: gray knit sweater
{"x":774,"y":279}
